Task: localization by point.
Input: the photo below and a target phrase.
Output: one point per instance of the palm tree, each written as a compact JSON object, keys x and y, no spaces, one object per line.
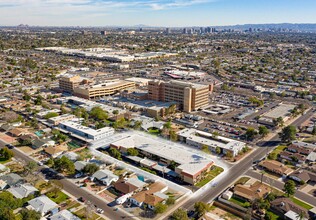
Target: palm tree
{"x":262,"y":174}
{"x":300,"y":216}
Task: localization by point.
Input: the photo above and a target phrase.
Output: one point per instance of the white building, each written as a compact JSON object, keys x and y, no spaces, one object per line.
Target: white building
{"x":198,"y":138}
{"x":83,"y":132}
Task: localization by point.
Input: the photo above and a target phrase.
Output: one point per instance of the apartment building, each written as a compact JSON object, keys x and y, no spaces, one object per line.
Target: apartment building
{"x":61,"y":118}
{"x":189,"y":96}
{"x":102,"y":90}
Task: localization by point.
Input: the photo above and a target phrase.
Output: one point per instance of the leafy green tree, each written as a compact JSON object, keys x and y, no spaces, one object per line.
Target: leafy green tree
{"x":272,"y":156}
{"x":173,"y":135}
{"x":170,"y":201}
{"x":160,"y":208}
{"x":31,"y":166}
{"x":314,"y":131}
{"x":229,"y":154}
{"x":263,"y":131}
{"x":38,"y":100}
{"x":132,"y":151}
{"x":6,"y":154}
{"x":30,"y":214}
{"x":290,"y":187}
{"x":90,"y":168}
{"x":98,"y":113}
{"x":115,"y":153}
{"x":201,"y":208}
{"x":180,"y":214}
{"x":50,"y":115}
{"x":218,"y":150}
{"x":205,"y":149}
{"x":64,"y":164}
{"x":288,"y":133}
{"x":251,"y":133}
{"x":279,"y":122}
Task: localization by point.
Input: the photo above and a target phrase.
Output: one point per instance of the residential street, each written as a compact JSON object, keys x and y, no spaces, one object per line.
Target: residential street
{"x":279,"y":185}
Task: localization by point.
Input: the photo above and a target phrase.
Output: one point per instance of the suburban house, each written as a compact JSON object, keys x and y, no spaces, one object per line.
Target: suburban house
{"x":16,"y":132}
{"x":4,"y":170}
{"x":126,"y":186}
{"x":252,"y":191}
{"x":106,"y":177}
{"x":54,"y":151}
{"x":3,"y":185}
{"x":303,"y":175}
{"x":27,"y":137}
{"x":79,"y":165}
{"x":22,"y":191}
{"x":284,"y":205}
{"x":12,"y":179}
{"x":276,"y":167}
{"x":64,"y":215}
{"x":150,"y":196}
{"x":70,"y":155}
{"x":293,"y":157}
{"x":38,"y":143}
{"x":43,"y":205}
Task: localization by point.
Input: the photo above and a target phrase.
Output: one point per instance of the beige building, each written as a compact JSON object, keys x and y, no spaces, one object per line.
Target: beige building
{"x":102,"y":90}
{"x":69,"y":82}
{"x":189,"y":96}
{"x":61,"y":118}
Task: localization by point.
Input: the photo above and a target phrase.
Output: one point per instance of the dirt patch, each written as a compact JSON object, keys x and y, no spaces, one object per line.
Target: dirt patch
{"x":223,"y":214}
{"x":26,"y":150}
{"x":6,"y":138}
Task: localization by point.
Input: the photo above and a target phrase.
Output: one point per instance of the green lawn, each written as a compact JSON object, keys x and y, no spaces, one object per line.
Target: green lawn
{"x":239,"y":202}
{"x":242,"y":180}
{"x":82,"y":214}
{"x":301,"y":203}
{"x":58,"y":197}
{"x":2,"y":160}
{"x":155,"y":131}
{"x":214,"y":171}
{"x":279,"y":149}
{"x":273,"y":215}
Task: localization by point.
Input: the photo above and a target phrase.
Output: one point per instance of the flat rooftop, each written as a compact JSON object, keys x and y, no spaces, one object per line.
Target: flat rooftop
{"x":75,"y":124}
{"x":161,"y":149}
{"x":206,"y":138}
{"x":107,"y":85}
{"x":281,"y":110}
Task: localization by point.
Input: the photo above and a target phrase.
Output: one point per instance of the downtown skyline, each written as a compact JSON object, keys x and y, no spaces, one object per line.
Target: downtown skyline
{"x":168,"y":13}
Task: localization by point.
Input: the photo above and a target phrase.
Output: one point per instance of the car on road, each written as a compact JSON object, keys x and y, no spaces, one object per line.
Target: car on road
{"x":100,"y":211}
{"x":81,"y":199}
{"x":10,"y":146}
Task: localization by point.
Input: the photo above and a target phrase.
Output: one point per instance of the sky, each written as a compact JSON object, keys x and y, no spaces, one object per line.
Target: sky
{"x":167,"y":13}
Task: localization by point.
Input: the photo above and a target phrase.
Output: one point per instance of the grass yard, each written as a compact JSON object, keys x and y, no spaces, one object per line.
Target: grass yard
{"x":57,"y":197}
{"x":239,"y":202}
{"x":155,"y":131}
{"x":279,"y":149}
{"x":301,"y":203}
{"x":242,"y":180}
{"x":214,"y":171}
{"x":82,"y":214}
{"x":273,"y":215}
{"x":2,"y":160}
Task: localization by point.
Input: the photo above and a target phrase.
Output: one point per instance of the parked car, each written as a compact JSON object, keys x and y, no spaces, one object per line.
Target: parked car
{"x":100,"y":211}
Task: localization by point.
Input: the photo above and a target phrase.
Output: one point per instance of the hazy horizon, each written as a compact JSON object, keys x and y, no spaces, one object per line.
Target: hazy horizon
{"x":159,"y":13}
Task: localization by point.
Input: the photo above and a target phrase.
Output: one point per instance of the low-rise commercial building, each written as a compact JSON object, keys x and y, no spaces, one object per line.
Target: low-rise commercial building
{"x":86,"y":133}
{"x":281,"y":111}
{"x":190,"y":166}
{"x":198,"y":138}
{"x":61,"y":118}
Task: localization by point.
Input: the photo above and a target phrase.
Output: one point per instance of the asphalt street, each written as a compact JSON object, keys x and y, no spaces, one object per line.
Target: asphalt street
{"x":77,"y":192}
{"x":279,"y":185}
{"x":242,"y":167}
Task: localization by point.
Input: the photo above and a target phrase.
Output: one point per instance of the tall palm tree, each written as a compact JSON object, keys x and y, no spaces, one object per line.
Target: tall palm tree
{"x":300,"y":216}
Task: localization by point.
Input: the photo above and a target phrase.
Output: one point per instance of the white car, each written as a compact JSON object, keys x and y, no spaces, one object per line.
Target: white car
{"x":100,"y":211}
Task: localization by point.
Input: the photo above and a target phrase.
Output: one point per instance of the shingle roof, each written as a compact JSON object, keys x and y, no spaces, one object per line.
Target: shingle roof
{"x":42,"y":204}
